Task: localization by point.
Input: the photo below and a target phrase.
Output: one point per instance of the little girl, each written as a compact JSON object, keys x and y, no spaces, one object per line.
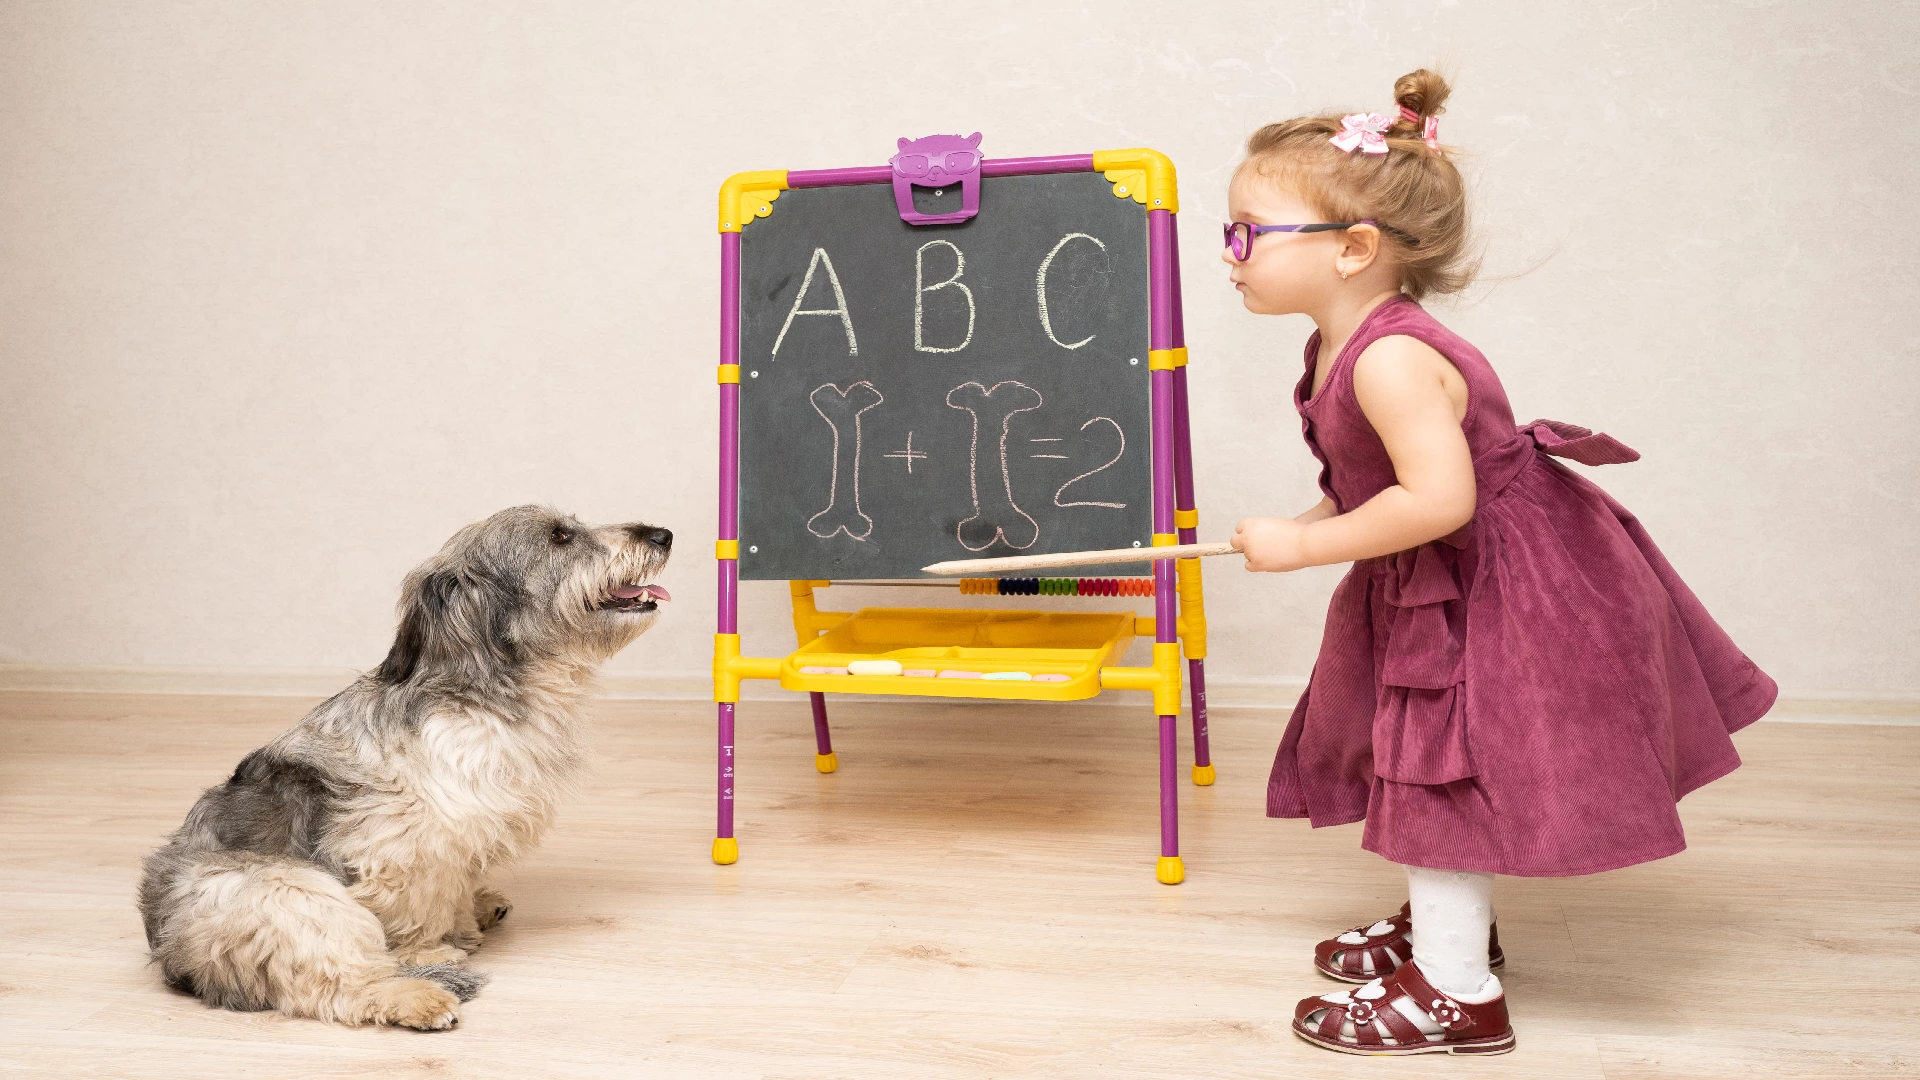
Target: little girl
{"x":1513,"y":680}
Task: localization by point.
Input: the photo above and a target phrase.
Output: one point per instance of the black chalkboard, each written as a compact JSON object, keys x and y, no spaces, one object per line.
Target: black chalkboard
{"x":887,"y":371}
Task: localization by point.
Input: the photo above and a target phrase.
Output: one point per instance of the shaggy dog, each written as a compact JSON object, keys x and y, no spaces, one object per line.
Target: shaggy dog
{"x":338,"y":872}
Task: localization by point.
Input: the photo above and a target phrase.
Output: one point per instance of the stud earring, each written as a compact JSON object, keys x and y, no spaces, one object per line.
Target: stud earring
{"x":1343,"y":275}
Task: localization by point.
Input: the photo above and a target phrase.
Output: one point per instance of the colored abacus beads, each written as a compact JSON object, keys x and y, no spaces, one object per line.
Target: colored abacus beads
{"x":1057,"y":586}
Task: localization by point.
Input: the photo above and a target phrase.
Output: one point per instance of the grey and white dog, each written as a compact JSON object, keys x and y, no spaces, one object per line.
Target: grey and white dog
{"x":339,"y":872}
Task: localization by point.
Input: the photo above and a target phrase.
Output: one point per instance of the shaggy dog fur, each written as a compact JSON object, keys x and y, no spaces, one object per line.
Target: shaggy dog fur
{"x":338,"y":872}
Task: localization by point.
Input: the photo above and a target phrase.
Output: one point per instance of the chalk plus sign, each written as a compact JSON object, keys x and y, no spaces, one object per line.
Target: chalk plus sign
{"x":910,"y":454}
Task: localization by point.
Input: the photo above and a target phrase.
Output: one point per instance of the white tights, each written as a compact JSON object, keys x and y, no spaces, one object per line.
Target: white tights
{"x":1452,"y":915}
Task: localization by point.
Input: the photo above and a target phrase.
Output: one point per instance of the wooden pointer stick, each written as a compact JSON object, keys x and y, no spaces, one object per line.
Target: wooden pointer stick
{"x":1077,"y":558}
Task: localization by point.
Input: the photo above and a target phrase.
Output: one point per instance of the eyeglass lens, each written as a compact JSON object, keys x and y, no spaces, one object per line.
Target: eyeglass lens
{"x":915,"y":164}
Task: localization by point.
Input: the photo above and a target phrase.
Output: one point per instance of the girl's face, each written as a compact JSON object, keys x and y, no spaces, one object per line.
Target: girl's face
{"x":1286,"y":273}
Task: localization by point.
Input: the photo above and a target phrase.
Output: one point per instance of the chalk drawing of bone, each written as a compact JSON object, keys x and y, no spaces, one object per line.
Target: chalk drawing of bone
{"x":992,"y":518}
{"x":842,"y":409}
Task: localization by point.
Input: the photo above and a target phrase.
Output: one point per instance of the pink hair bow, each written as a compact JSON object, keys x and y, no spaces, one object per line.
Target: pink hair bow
{"x":1429,"y":128}
{"x":1365,"y":132}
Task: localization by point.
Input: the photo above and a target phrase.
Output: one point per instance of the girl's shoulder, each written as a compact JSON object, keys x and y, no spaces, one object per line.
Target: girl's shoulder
{"x":1402,"y":317}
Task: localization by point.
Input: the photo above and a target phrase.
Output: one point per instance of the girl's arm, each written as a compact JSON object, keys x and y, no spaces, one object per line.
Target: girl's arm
{"x":1403,"y":389}
{"x":1322,"y":509}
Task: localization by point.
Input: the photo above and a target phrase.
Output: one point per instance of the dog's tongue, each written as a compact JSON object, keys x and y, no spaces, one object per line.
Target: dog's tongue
{"x":658,"y":593}
{"x":628,"y":592}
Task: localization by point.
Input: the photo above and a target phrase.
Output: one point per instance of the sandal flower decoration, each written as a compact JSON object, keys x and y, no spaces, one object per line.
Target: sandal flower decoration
{"x":1361,"y":1011}
{"x":1365,"y":132}
{"x":1446,"y":1013}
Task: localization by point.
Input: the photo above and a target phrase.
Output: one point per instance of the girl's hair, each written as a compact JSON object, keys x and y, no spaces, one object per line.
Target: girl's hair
{"x":1414,"y":192}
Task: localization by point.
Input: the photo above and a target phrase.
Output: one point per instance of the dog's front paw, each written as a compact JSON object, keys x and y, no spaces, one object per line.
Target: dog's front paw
{"x":470,"y":940}
{"x":415,"y":1003}
{"x":489,"y":908}
{"x":430,"y":955}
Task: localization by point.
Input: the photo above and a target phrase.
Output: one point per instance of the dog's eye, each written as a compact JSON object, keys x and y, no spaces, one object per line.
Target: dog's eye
{"x":561,"y":535}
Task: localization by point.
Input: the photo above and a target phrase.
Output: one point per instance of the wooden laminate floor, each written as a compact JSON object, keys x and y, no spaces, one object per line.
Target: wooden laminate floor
{"x":973,"y":895}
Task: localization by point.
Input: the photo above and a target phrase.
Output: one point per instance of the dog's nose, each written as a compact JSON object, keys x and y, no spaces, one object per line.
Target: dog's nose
{"x":650,"y":535}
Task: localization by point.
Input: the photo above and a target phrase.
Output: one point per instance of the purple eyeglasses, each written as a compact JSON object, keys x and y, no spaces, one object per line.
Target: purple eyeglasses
{"x":1240,"y":234}
{"x":953,"y":161}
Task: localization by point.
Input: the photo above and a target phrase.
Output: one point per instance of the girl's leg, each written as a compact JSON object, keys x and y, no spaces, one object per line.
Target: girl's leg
{"x":1452,"y":915}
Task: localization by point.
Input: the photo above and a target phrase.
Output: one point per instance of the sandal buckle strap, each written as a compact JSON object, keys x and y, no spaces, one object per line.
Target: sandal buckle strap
{"x":1442,"y":1009}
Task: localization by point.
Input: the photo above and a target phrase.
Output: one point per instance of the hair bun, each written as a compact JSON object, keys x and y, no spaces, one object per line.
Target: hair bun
{"x":1423,"y":92}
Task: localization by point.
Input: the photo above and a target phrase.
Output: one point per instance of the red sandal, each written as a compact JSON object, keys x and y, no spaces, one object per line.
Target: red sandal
{"x":1348,"y":961}
{"x":1381,"y":1030}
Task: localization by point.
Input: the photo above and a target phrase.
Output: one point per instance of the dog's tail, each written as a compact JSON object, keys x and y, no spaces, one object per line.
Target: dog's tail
{"x":460,"y":982}
{"x":251,"y":932}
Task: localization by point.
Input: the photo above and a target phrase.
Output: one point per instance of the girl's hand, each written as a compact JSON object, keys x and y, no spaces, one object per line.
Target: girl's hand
{"x":1272,"y":545}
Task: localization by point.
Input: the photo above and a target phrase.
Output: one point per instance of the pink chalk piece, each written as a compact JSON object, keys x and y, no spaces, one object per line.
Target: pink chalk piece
{"x":920,"y":673}
{"x":1051,"y":678}
{"x":952,"y":673}
{"x":813,"y":671}
{"x":833,"y":671}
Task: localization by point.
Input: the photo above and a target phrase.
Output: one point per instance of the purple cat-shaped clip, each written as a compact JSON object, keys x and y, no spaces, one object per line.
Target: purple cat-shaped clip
{"x":937,"y":161}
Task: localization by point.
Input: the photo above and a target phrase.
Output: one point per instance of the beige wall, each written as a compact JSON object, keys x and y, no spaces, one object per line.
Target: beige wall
{"x":290,"y":291}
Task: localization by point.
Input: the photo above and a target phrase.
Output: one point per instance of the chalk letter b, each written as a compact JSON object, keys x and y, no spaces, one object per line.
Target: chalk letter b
{"x":921,"y":289}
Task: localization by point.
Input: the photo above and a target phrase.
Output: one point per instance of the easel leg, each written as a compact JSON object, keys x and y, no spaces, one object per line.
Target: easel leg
{"x":1187,"y":518}
{"x":1202,"y":753}
{"x":1170,"y":870}
{"x":726,"y":849}
{"x":824,"y":758}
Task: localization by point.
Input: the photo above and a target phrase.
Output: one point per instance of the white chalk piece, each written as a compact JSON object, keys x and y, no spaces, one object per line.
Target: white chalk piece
{"x":875,"y":667}
{"x":954,"y":673}
{"x":1008,"y":676}
{"x":920,"y":673}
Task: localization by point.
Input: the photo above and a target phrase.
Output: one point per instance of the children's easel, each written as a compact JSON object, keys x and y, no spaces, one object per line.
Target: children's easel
{"x":863,"y":513}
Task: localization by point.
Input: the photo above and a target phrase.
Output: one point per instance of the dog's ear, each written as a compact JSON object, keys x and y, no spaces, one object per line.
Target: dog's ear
{"x":451,"y":622}
{"x":422,"y":600}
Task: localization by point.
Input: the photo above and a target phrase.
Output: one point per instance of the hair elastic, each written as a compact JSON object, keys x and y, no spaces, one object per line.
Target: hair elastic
{"x":1429,"y":126}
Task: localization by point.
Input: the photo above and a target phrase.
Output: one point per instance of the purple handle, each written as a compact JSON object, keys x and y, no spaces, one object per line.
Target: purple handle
{"x":937,"y":161}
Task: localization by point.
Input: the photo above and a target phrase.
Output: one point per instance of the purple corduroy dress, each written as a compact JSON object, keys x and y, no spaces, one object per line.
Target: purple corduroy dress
{"x":1529,"y":695}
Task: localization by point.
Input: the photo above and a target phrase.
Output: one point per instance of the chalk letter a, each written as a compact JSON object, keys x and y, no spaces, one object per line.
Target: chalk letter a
{"x":839,"y":301}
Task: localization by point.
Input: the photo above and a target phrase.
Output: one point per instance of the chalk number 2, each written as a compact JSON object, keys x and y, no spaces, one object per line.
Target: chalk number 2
{"x":1117,"y":454}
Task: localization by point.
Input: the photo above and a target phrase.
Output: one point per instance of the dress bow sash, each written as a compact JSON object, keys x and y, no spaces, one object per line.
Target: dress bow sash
{"x":1576,"y":443}
{"x":1498,"y":467}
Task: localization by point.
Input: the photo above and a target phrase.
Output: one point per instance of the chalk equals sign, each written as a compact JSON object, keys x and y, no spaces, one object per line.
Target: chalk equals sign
{"x":1061,"y":457}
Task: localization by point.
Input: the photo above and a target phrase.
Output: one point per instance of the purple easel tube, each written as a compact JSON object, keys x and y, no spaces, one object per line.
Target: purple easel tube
{"x":822,"y":737}
{"x":1183,"y":495}
{"x":729,"y":585}
{"x":881,"y":174}
{"x":1161,"y":285}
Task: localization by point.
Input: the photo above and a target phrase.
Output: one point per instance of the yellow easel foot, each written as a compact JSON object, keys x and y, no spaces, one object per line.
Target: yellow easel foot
{"x":1203,"y":776}
{"x":826,"y":762}
{"x":1170,"y":870}
{"x":726,"y":850}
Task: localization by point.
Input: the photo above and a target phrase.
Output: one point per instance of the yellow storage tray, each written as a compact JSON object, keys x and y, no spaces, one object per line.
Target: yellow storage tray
{"x":1071,"y":644}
